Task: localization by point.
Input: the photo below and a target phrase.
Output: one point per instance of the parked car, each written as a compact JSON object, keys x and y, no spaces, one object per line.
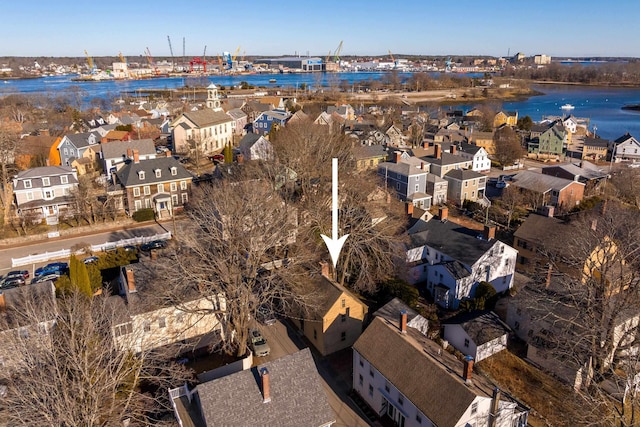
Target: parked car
{"x":217,"y":158}
{"x":53,"y":267}
{"x":90,"y":260}
{"x":259,"y":344}
{"x":265,"y":315}
{"x":11,"y":282}
{"x":19,"y":273}
{"x":156,"y":244}
{"x":502,"y":184}
{"x":43,"y":278}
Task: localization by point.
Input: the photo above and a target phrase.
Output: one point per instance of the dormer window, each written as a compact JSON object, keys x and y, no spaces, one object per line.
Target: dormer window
{"x":64,"y":179}
{"x":158,"y":173}
{"x":140,"y":174}
{"x":27,"y":183}
{"x":46,"y":182}
{"x":174,"y":170}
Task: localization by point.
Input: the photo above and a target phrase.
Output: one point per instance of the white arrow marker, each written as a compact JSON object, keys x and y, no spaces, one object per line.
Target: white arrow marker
{"x":334,"y":244}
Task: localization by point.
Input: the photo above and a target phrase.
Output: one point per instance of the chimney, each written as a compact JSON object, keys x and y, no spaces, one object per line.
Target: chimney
{"x":438,"y":151}
{"x":398,"y":155}
{"x":266,"y":388}
{"x":129,"y":153}
{"x":594,"y":224}
{"x":425,"y":145}
{"x":168,"y":153}
{"x":409,"y":208}
{"x":493,"y":414}
{"x":44,"y":132}
{"x":403,"y":321}
{"x":324,"y":269}
{"x":444,"y":213}
{"x":3,"y":304}
{"x":468,"y":368}
{"x":240,"y":158}
{"x":454,"y":148}
{"x":136,"y":156}
{"x":103,"y":140}
{"x":489,"y":232}
{"x":131,"y":281}
{"x":547,"y":282}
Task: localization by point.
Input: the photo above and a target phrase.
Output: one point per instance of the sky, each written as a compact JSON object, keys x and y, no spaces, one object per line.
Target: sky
{"x":565,"y":28}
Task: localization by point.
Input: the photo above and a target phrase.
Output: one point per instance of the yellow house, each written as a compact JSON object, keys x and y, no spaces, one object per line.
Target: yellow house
{"x":509,"y":118}
{"x":338,"y":319}
{"x":484,"y":140}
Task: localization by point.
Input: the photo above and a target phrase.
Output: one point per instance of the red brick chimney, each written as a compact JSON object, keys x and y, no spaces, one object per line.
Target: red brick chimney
{"x":425,"y":145}
{"x":409,"y":208}
{"x":266,"y":387}
{"x":131,"y":281}
{"x":398,"y":156}
{"x":438,"y":151}
{"x":403,"y":321}
{"x":168,"y":153}
{"x":136,"y":156}
{"x":468,"y":368}
{"x":489,"y":232}
{"x":324,"y":269}
{"x":3,"y":303}
{"x":444,"y":213}
{"x":454,"y":149}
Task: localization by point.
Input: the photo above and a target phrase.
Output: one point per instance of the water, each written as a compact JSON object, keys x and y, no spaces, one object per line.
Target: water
{"x":602,"y":106}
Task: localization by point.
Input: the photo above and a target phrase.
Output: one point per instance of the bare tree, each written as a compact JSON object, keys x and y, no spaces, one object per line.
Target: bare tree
{"x":626,"y":183}
{"x":507,"y":146}
{"x":65,"y":368}
{"x":511,"y":200}
{"x":9,"y":137}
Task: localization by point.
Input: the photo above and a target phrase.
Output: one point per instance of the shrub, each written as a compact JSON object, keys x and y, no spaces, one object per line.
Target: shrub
{"x":146,"y":214}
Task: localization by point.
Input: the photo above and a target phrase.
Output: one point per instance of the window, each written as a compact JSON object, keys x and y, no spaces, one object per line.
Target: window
{"x":27,"y":183}
{"x":173,"y":186}
{"x":158,"y":173}
{"x":398,"y":186}
{"x":124,"y":329}
{"x":64,"y":179}
{"x":174,"y":199}
{"x":65,"y":151}
{"x":180,"y":317}
{"x":417,"y":188}
{"x":401,"y":400}
{"x":361,"y":362}
{"x":466,"y":184}
{"x":360,"y":379}
{"x":386,"y":387}
{"x":474,"y":408}
{"x":501,"y":249}
{"x":162,"y":322}
{"x":466,"y":342}
{"x":136,"y":192}
{"x":185,"y":198}
{"x":174,"y":170}
{"x":418,"y":419}
{"x":343,"y":302}
{"x":315,"y":334}
{"x":147,"y":326}
{"x":370,"y":390}
{"x":48,"y":194}
{"x":141,"y":175}
{"x":371,"y":372}
{"x":147,"y":190}
{"x":183,"y":185}
{"x":137,"y":205}
{"x":147,"y":203}
{"x":343,"y":336}
{"x":160,"y":188}
{"x":29,"y":195}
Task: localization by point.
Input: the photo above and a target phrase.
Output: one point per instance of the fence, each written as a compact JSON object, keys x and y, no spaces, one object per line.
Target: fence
{"x":65,"y":253}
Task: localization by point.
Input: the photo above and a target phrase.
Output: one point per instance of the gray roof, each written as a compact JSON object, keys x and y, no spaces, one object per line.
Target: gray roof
{"x":401,"y":168}
{"x":540,"y":229}
{"x":596,"y":142}
{"x":482,"y":327}
{"x":436,"y":391}
{"x":80,"y":140}
{"x":469,"y":148}
{"x":128,"y":175}
{"x":463,"y":174}
{"x":454,"y":240}
{"x":623,"y":138}
{"x":207,"y":117}
{"x":297,"y":396}
{"x":456,"y":269}
{"x":583,"y":173}
{"x":52,"y":172}
{"x":277,"y":114}
{"x":236,"y":114}
{"x":540,"y":183}
{"x":248,"y":140}
{"x":117,"y":149}
{"x":368,"y":151}
{"x":446,"y":159}
{"x":18,"y":302}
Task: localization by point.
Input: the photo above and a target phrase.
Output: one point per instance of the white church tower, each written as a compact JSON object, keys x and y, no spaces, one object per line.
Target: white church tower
{"x":213,"y":101}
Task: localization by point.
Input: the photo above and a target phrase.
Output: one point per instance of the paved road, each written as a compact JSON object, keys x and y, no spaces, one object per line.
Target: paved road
{"x":55,"y":244}
{"x":284,"y":340}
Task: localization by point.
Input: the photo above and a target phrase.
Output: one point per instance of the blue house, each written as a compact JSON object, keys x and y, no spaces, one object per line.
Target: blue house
{"x":263,"y":123}
{"x":73,"y":146}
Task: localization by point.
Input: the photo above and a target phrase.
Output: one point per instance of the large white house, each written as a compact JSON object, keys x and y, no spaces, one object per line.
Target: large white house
{"x":450,"y":260}
{"x":408,"y":380}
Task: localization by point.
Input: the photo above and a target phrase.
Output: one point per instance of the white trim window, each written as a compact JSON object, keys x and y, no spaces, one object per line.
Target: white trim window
{"x":137,"y":205}
{"x":48,"y":194}
{"x":27,"y":183}
{"x":136,"y":191}
{"x":160,"y":188}
{"x":46,"y":182}
{"x":64,"y":179}
{"x":29,"y":195}
{"x":147,"y":190}
{"x":158,"y":173}
{"x":185,"y":198}
{"x":173,"y":186}
{"x":174,"y":170}
{"x":183,"y":185}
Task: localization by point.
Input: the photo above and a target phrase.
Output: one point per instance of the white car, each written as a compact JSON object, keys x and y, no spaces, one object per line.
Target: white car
{"x":259,"y":344}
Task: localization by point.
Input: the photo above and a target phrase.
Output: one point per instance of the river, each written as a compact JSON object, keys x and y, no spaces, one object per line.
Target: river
{"x":602,"y":106}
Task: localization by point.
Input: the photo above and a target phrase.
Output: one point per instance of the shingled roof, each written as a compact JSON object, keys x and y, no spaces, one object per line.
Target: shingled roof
{"x":207,"y":117}
{"x":129,"y":175}
{"x":297,"y":396}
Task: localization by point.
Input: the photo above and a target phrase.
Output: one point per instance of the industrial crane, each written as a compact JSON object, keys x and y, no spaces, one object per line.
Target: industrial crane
{"x":199,"y":61}
{"x":147,"y":53}
{"x":393,"y":59}
{"x":92,"y":67}
{"x":328,"y":57}
{"x":235,"y":55}
{"x":122,"y":59}
{"x":171,"y":50}
{"x":336,"y":56}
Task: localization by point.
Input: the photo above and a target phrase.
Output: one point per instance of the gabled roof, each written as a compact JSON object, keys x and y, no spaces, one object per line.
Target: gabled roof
{"x":129,"y":174}
{"x":236,"y":114}
{"x":401,"y":168}
{"x":540,"y":229}
{"x":50,"y":171}
{"x":117,"y":149}
{"x":249,"y":140}
{"x":454,"y":240}
{"x":596,"y":142}
{"x":446,"y":159}
{"x":470,"y":148}
{"x":207,"y":117}
{"x":368,"y":151}
{"x":463,"y":174}
{"x":81,"y":140}
{"x":624,"y":138}
{"x":297,"y":396}
{"x":540,"y":183}
{"x":436,"y":391}
{"x":482,"y":327}
{"x":275,"y":114}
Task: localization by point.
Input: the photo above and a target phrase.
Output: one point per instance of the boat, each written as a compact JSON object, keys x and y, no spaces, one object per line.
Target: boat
{"x":567,"y":107}
{"x":272,"y":80}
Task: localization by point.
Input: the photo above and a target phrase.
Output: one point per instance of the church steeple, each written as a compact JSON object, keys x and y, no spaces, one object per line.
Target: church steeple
{"x":213,"y":101}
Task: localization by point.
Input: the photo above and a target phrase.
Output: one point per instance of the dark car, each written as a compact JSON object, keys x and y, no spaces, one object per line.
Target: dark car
{"x":43,"y":278}
{"x":19,"y":273}
{"x":53,"y":267}
{"x":12,"y":282}
{"x":156,"y":244}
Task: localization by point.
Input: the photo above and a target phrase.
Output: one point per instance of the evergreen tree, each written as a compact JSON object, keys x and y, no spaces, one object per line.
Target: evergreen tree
{"x":228,"y":153}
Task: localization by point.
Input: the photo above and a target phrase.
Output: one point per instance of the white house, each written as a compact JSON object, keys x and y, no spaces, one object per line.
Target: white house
{"x":256,"y":147}
{"x":408,"y":380}
{"x":479,"y":156}
{"x":570,"y":123}
{"x":45,"y":191}
{"x":449,"y":260}
{"x":479,"y":335}
{"x":626,"y":148}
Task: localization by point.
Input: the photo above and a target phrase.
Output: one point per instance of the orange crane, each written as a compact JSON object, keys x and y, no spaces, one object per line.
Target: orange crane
{"x":92,"y":66}
{"x":152,"y":64}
